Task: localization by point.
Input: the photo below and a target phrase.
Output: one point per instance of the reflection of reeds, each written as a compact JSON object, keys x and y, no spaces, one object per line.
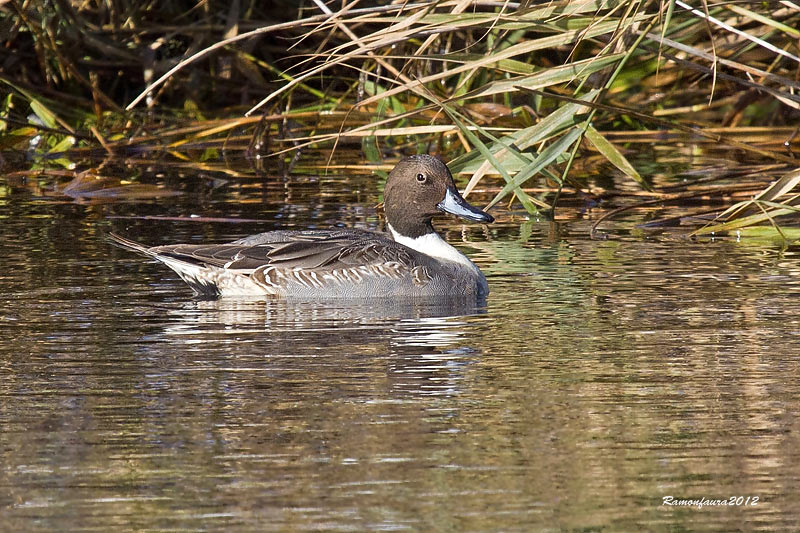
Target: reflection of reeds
{"x":500,"y":88}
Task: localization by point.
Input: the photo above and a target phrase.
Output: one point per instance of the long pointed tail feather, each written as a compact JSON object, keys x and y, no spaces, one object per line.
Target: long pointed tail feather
{"x":122,"y":242}
{"x":193,"y":274}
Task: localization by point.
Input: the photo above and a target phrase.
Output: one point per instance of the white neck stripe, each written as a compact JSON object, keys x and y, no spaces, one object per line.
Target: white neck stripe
{"x":433,"y":245}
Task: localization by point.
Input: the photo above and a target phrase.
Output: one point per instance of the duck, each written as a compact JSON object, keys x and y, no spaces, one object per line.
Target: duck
{"x":411,"y":260}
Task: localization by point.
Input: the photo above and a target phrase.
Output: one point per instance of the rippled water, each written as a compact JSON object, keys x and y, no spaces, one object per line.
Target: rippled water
{"x":600,"y":377}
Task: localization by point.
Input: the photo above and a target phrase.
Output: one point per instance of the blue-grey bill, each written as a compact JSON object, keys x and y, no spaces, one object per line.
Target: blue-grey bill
{"x":455,"y":204}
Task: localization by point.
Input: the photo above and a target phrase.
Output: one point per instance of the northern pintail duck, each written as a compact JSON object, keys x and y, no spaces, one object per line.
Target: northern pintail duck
{"x":411,"y":261}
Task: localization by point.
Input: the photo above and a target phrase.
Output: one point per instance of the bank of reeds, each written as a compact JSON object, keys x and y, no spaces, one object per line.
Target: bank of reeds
{"x":510,"y":91}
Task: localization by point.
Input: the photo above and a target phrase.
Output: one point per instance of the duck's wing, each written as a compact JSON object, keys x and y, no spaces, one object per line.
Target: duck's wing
{"x":303,"y":250}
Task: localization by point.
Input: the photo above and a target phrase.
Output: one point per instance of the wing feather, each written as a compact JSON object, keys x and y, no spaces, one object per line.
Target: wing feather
{"x":310,"y":250}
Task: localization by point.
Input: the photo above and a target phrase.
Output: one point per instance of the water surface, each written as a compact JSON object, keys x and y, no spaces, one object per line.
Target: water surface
{"x":599,"y":377}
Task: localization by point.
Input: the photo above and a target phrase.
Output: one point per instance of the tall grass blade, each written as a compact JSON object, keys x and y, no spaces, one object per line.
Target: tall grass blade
{"x":750,"y":220}
{"x":47,"y":117}
{"x":547,"y":156}
{"x":527,"y":201}
{"x":614,"y":155}
{"x":525,"y":47}
{"x":777,"y":189}
{"x":563,"y":118}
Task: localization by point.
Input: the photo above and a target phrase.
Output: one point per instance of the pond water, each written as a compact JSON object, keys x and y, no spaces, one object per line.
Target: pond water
{"x":600,"y":377}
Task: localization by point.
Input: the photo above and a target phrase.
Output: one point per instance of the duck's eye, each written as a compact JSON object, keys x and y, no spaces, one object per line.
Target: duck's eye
{"x":421,"y":177}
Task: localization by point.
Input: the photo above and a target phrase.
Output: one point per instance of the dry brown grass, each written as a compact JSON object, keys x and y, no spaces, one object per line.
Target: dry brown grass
{"x":505,"y":90}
